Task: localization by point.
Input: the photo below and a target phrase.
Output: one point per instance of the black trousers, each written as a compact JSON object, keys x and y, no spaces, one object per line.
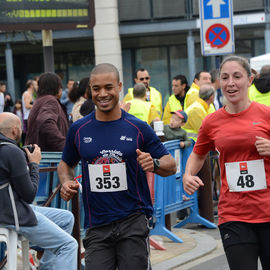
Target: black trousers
{"x":123,"y":244}
{"x":244,"y":243}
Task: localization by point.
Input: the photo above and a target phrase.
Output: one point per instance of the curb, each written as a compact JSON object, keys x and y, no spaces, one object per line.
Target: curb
{"x":205,"y":244}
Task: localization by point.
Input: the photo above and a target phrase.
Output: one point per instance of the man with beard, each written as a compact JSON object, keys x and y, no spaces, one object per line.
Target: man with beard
{"x":116,"y":149}
{"x":176,"y":100}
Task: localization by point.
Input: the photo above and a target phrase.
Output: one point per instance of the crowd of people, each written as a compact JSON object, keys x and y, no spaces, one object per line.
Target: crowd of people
{"x":117,"y":146}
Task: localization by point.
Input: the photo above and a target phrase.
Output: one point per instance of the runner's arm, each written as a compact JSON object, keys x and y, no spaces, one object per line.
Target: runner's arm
{"x":66,"y":176}
{"x":192,"y":182}
{"x":167,"y":165}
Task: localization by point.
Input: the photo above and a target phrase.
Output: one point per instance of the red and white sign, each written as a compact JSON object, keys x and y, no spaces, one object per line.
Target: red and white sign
{"x":217,"y":35}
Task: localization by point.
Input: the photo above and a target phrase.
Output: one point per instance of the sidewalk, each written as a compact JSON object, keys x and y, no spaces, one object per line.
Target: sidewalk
{"x":195,"y":244}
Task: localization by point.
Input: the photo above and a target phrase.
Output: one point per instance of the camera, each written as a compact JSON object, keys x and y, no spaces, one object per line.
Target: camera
{"x":30,"y":147}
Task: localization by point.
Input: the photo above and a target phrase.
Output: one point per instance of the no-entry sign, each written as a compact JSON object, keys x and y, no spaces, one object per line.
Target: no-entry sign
{"x":217,"y":35}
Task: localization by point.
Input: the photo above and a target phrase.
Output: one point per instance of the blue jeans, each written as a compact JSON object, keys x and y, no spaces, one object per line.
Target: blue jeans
{"x":52,"y":233}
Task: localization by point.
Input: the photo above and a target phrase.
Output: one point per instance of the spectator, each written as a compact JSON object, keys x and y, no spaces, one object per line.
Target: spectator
{"x":176,"y":100}
{"x":174,"y":130}
{"x":28,"y":100}
{"x":140,"y":108}
{"x":202,"y":77}
{"x":199,"y":110}
{"x":2,"y":102}
{"x":8,"y":99}
{"x":152,"y":94}
{"x":260,"y":89}
{"x":18,"y":111}
{"x":88,"y":106}
{"x":215,"y":81}
{"x":78,"y":96}
{"x":65,"y":99}
{"x":48,"y":228}
{"x":47,"y":122}
{"x":114,"y":143}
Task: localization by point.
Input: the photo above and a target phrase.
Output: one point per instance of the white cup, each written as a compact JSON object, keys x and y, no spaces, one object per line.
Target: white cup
{"x":158,"y":128}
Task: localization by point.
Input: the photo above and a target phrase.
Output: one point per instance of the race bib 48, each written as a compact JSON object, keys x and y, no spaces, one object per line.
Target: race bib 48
{"x":246,"y":175}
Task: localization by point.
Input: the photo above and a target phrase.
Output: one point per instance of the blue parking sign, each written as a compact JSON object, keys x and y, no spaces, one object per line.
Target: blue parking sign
{"x":216,"y":29}
{"x":216,"y":9}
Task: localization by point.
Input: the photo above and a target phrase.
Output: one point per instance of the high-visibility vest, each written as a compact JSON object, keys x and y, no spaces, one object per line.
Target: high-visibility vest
{"x":255,"y":95}
{"x":175,"y":104}
{"x":172,"y":105}
{"x":211,"y":108}
{"x":155,"y":98}
{"x":191,"y":95}
{"x":140,"y":109}
{"x":201,"y":107}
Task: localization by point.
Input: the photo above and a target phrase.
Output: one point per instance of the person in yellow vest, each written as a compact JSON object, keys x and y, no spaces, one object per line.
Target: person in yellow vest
{"x":199,"y":110}
{"x":176,"y":100}
{"x":200,"y":78}
{"x":140,"y":108}
{"x":152,"y":94}
{"x":259,"y":91}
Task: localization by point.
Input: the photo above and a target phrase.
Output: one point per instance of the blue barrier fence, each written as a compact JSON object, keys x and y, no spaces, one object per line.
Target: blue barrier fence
{"x":170,"y":196}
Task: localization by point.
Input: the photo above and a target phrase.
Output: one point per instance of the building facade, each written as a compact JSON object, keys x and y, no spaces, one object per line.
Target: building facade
{"x":159,"y":35}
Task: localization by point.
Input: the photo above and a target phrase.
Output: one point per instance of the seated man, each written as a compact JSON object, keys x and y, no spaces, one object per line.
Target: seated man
{"x":48,"y":228}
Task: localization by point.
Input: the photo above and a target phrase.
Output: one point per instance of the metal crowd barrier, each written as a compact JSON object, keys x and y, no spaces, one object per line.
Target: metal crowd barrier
{"x":170,"y":196}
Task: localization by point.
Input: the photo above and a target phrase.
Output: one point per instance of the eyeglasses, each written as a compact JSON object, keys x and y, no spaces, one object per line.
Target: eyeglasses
{"x":145,"y":78}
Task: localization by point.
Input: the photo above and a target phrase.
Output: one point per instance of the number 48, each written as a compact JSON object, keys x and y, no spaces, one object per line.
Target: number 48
{"x":245,"y":182}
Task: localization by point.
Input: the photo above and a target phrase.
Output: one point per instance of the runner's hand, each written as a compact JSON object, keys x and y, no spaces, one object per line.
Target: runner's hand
{"x":145,"y":160}
{"x":69,"y":189}
{"x":191,"y":183}
{"x":263,"y":146}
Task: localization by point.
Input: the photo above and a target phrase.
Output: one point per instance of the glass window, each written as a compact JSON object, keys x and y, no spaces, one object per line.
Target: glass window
{"x":128,"y":76}
{"x":156,"y":62}
{"x":250,"y":5}
{"x":243,"y":48}
{"x":80,"y":65}
{"x":130,"y":10}
{"x":3,"y":73}
{"x":199,"y":62}
{"x":259,"y":47}
{"x":169,"y":8}
{"x":178,"y":60}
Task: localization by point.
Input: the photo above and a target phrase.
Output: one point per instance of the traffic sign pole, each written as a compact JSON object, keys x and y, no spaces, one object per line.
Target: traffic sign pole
{"x":217,"y":33}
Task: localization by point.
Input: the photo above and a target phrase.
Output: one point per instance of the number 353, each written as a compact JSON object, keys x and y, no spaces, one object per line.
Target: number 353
{"x":107,"y":182}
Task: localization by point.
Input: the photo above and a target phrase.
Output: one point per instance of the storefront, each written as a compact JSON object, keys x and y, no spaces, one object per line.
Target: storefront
{"x":153,"y":35}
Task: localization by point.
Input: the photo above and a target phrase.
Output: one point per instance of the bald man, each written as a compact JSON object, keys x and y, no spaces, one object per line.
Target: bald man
{"x":115,"y":149}
{"x":197,"y":111}
{"x":19,"y":178}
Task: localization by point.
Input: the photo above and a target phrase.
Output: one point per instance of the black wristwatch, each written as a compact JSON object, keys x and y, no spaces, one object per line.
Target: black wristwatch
{"x":156,"y":164}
